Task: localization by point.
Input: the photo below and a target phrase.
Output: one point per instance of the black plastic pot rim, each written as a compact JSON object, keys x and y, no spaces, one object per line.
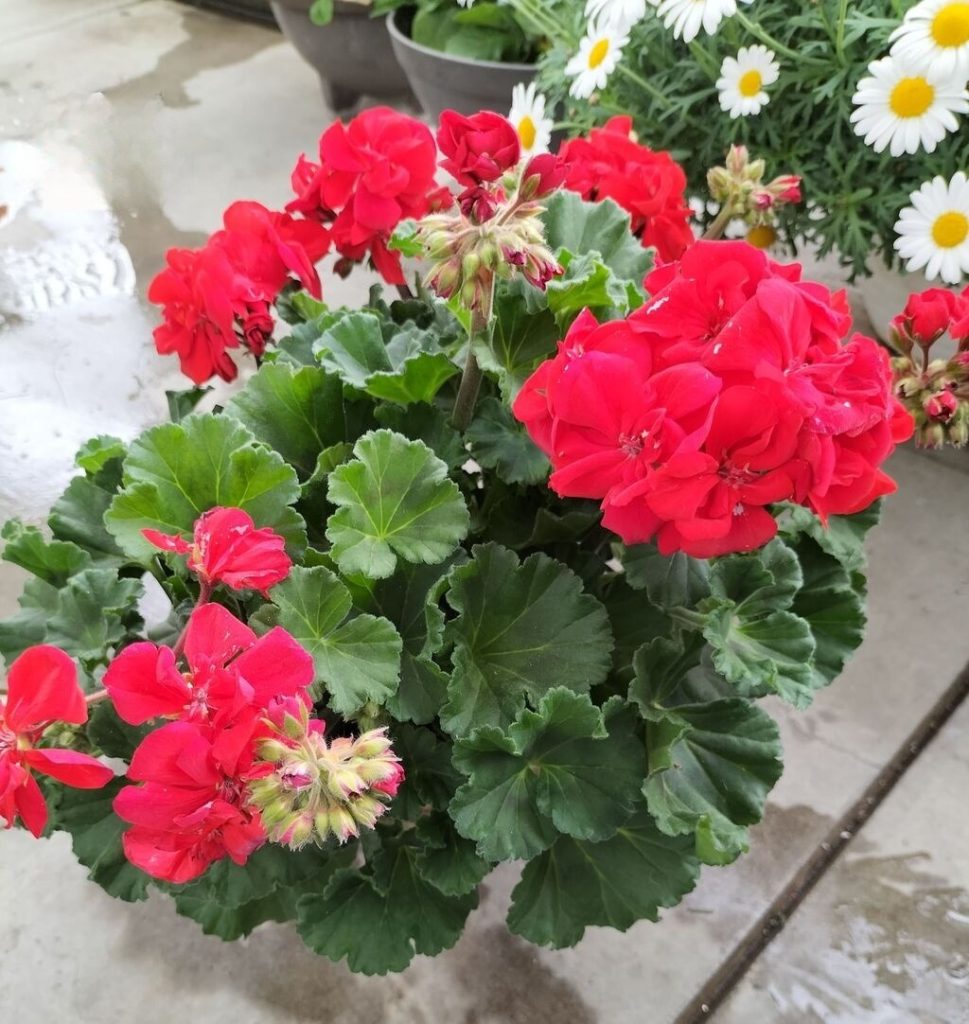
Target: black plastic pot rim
{"x":450,"y":58}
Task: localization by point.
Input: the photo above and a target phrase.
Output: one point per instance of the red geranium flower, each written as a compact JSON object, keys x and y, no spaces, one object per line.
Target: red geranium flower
{"x":650,"y":186}
{"x":730,"y":390}
{"x":214,"y":297}
{"x":477,"y":149}
{"x":196,"y":292}
{"x":229,"y":672}
{"x":930,"y":314}
{"x":189,"y":812}
{"x":192,"y":806}
{"x":373,"y":173}
{"x":42,"y":688}
{"x":227,"y":548}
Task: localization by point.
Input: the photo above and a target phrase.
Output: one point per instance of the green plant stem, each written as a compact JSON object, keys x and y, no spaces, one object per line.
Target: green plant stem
{"x":719,"y":223}
{"x":647,"y":86}
{"x":540,"y":20}
{"x":839,"y":40}
{"x":481,"y":327}
{"x":776,"y":45}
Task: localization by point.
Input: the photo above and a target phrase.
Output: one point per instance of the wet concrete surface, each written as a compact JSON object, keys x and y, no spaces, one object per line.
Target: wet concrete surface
{"x":106,"y":160}
{"x":885,"y":935}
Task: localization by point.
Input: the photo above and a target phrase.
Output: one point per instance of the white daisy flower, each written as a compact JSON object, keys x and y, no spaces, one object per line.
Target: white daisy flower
{"x":936,"y":32}
{"x":598,"y":55}
{"x":742,"y":80}
{"x":618,"y":12}
{"x":903,"y":107}
{"x":687,"y":17}
{"x":934,"y":231}
{"x":528,"y":116}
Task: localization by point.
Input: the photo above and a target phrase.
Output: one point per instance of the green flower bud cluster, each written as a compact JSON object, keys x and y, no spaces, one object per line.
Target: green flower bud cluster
{"x":308,"y":789}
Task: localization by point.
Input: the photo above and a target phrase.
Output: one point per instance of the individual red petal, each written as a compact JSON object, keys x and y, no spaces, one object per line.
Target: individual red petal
{"x":215,"y":636}
{"x":69,"y":766}
{"x":275,"y":666}
{"x":154,"y":852}
{"x":31,"y":806}
{"x":157,"y":807}
{"x":143,"y":682}
{"x":42,"y":687}
{"x":166,"y":542}
{"x":177,"y":754}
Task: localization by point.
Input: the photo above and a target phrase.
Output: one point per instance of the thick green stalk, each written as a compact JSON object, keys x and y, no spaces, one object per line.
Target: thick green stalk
{"x":480,"y":329}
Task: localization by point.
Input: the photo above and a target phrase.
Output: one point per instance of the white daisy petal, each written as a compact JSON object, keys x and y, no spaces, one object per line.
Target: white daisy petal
{"x":934,"y":231}
{"x":687,"y":17}
{"x":742,"y":80}
{"x":599,"y":53}
{"x":902,"y":107}
{"x":935,"y":33}
{"x":528,"y":116}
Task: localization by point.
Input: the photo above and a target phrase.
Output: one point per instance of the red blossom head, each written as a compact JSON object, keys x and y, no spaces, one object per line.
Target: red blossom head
{"x":214,"y":297}
{"x":42,"y":689}
{"x":373,"y":173}
{"x":732,"y":389}
{"x":930,"y":314}
{"x":227,"y":548}
{"x":650,"y":186}
{"x":191,"y":805}
{"x":477,"y":149}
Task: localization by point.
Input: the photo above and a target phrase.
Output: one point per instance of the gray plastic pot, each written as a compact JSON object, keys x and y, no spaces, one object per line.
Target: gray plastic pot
{"x":442,"y":81}
{"x":352,"y":55}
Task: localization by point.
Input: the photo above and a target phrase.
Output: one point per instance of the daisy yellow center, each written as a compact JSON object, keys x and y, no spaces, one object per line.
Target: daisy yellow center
{"x":950,"y":27}
{"x":750,"y":83}
{"x":527,"y":131}
{"x":763,"y":236}
{"x":911,"y":97}
{"x":950,"y":229}
{"x":598,"y":53}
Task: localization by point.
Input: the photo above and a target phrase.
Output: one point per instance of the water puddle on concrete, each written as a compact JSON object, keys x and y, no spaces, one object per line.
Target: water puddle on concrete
{"x":897,"y":951}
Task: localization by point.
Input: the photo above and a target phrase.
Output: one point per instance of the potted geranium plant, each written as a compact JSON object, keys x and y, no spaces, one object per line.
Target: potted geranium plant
{"x":461,"y":56}
{"x":398,"y":650}
{"x":864,"y":101}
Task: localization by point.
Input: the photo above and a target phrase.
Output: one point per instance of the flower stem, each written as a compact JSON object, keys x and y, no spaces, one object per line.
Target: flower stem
{"x":765,"y":37}
{"x":481,"y":327}
{"x":719,"y":223}
{"x":839,"y":42}
{"x":403,"y":290}
{"x":96,"y":697}
{"x":644,"y":84}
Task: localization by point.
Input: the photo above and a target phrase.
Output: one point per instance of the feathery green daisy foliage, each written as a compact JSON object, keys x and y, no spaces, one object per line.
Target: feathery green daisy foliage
{"x":852,"y":195}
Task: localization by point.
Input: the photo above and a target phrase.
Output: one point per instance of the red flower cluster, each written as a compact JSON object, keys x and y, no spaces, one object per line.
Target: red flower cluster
{"x":42,"y":689}
{"x":227,"y":548}
{"x":610,"y":164}
{"x":930,"y":314}
{"x":215,"y":297}
{"x":731,"y":389}
{"x":192,"y":806}
{"x":373,"y":173}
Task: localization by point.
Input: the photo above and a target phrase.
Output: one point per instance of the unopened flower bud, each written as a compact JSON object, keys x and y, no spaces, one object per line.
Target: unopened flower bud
{"x":941,"y":407}
{"x":737,"y":157}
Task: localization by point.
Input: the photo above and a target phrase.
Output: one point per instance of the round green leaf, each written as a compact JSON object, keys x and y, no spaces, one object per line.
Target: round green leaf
{"x":395,"y":500}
